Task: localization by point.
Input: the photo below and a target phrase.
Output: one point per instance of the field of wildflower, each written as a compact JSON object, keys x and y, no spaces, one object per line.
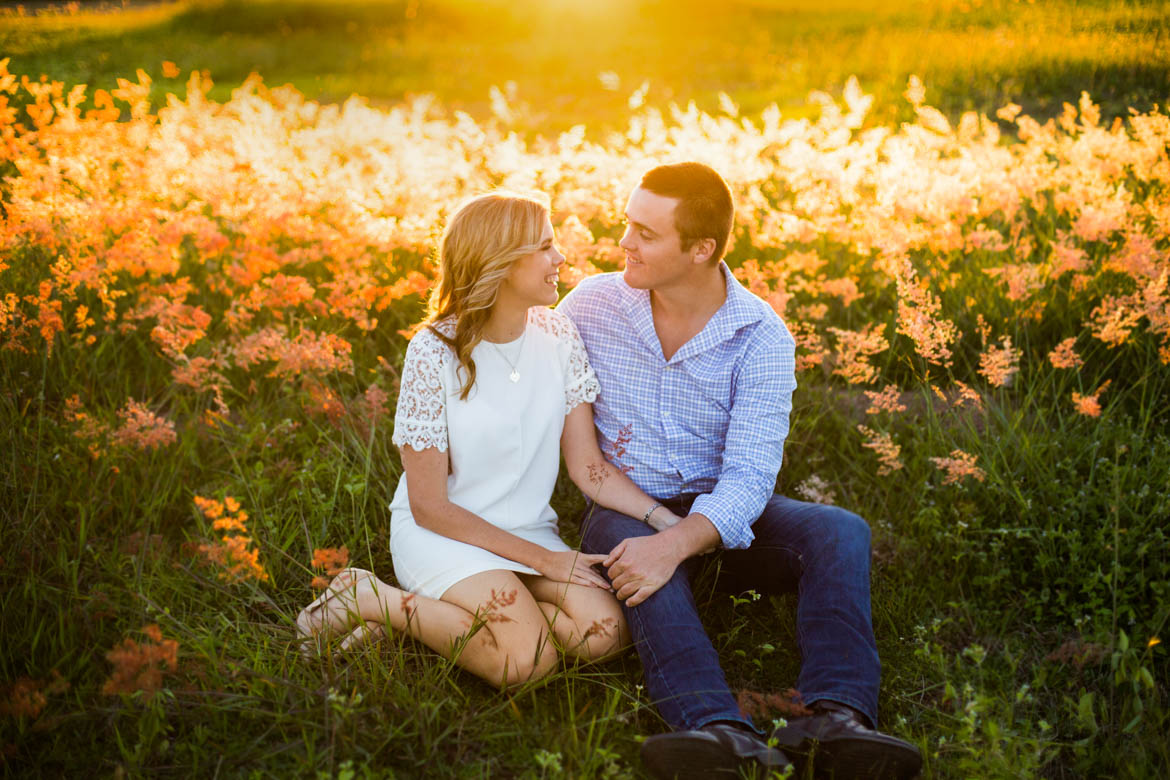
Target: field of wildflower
{"x":205,"y":302}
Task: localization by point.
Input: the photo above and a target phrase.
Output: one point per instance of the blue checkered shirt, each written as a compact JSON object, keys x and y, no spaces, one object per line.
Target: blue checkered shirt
{"x":711,"y":420}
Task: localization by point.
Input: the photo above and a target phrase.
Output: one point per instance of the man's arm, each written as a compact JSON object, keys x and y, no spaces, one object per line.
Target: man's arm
{"x":753,"y":451}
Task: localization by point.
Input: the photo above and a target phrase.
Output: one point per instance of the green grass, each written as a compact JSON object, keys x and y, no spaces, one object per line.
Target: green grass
{"x":971,"y":55}
{"x":973,"y":587}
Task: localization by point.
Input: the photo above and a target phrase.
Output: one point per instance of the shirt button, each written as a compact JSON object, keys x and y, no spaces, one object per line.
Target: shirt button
{"x":666,"y":415}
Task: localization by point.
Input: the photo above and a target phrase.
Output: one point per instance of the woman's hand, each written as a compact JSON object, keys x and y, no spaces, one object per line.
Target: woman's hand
{"x":574,"y":567}
{"x":662,"y":518}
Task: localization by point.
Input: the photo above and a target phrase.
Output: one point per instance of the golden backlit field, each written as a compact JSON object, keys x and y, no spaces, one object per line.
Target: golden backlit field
{"x":207,"y":287}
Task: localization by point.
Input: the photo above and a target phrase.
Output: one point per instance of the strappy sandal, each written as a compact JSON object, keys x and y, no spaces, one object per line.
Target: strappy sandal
{"x":364,"y":634}
{"x":315,"y":622}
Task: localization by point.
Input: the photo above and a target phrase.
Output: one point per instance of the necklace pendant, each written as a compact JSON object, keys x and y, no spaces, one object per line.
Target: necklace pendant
{"x":514,"y":376}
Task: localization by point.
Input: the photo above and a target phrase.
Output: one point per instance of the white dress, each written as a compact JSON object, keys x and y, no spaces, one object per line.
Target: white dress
{"x":503,"y":442}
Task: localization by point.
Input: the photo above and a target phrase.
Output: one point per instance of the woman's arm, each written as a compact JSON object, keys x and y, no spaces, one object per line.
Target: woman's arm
{"x":600,"y":480}
{"x":426,"y":483}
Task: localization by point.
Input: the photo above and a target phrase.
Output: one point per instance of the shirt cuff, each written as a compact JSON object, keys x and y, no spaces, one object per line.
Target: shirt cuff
{"x":735,"y":532}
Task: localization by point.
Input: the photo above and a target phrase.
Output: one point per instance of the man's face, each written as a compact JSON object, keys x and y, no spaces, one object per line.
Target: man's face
{"x":654,"y":255}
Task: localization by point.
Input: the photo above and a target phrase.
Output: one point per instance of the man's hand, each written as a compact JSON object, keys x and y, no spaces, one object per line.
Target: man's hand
{"x":640,"y":565}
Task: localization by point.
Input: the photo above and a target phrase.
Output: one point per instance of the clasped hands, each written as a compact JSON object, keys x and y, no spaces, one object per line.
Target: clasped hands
{"x":639,"y":565}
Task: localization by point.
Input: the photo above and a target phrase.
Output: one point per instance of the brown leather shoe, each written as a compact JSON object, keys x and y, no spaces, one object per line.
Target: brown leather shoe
{"x":841,"y":746}
{"x":712,"y":751}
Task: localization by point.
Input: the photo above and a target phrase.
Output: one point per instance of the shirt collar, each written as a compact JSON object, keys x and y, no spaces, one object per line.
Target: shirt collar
{"x":740,"y":308}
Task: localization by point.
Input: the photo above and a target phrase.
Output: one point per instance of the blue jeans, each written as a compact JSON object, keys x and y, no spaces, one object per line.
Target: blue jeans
{"x":820,"y":552}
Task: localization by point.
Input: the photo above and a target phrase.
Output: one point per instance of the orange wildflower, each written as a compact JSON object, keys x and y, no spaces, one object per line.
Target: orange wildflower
{"x":1066,"y":257}
{"x":93,"y":432}
{"x":306,"y":353}
{"x":1114,"y":320}
{"x":844,"y":288}
{"x":236,"y":560}
{"x":1064,"y":354}
{"x":968,"y":396}
{"x":230,"y":523}
{"x":853,"y":349}
{"x":231,"y":552}
{"x":331,"y":559}
{"x":958,"y":467}
{"x":210,"y":508}
{"x":811,"y":350}
{"x":1021,"y":279}
{"x":919,"y":317}
{"x":1089,"y":405}
{"x":24,"y":699}
{"x":888,"y":399}
{"x":142,"y":428}
{"x":139,"y":666}
{"x":999,"y":365}
{"x":887,"y":451}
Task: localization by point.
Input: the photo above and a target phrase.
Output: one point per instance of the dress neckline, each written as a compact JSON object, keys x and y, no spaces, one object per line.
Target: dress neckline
{"x":527,"y":322}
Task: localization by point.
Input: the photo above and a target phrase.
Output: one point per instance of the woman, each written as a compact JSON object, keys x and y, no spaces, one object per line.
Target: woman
{"x":489,"y":387}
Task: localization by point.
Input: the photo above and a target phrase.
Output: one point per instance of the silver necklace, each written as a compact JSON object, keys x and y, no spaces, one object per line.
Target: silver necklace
{"x":515,"y":375}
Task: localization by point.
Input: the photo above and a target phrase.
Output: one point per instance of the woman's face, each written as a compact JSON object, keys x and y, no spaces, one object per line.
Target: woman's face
{"x":532,"y":280}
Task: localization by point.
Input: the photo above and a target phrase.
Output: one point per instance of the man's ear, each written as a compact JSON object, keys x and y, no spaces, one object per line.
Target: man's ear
{"x":703,"y":250}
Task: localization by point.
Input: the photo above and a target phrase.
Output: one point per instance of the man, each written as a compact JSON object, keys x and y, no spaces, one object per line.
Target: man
{"x":697,"y":376}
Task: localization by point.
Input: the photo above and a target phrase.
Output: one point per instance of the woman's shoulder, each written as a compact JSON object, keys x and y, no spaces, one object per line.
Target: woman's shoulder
{"x":427,"y":343}
{"x":554,"y":323}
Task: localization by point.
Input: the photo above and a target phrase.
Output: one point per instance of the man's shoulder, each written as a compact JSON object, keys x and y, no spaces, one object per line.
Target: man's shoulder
{"x":767,"y":324}
{"x":594,"y":294}
{"x":610,"y":281}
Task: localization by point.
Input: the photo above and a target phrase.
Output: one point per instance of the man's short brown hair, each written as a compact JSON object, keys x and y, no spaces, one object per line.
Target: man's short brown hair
{"x":704,"y":207}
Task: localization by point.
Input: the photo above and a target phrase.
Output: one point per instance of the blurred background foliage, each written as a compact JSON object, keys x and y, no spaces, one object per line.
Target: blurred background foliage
{"x":569,"y":62}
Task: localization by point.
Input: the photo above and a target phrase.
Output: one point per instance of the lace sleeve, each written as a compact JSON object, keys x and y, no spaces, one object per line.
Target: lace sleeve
{"x":581,"y":384}
{"x":421,"y":417}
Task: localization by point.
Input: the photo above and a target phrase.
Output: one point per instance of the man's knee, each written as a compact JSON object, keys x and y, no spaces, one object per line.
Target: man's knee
{"x":848,"y":532}
{"x":602,"y":529}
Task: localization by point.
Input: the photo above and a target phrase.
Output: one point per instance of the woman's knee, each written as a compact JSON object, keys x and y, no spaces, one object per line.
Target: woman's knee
{"x":605,"y":633}
{"x":523,"y":666}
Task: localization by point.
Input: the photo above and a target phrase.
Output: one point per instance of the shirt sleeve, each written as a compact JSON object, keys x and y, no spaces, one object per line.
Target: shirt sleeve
{"x":421,"y":417}
{"x":754,"y":448}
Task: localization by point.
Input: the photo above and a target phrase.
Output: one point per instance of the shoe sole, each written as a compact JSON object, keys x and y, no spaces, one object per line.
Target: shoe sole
{"x":850,"y":759}
{"x":688,"y":760}
{"x":846,"y":759}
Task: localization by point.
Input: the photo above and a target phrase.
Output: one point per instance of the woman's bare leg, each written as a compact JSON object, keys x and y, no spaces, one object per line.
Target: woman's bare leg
{"x":587,"y":622}
{"x":511,"y":645}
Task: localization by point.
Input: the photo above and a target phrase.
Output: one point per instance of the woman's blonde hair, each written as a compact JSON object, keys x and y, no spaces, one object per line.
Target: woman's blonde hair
{"x":482,"y":240}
